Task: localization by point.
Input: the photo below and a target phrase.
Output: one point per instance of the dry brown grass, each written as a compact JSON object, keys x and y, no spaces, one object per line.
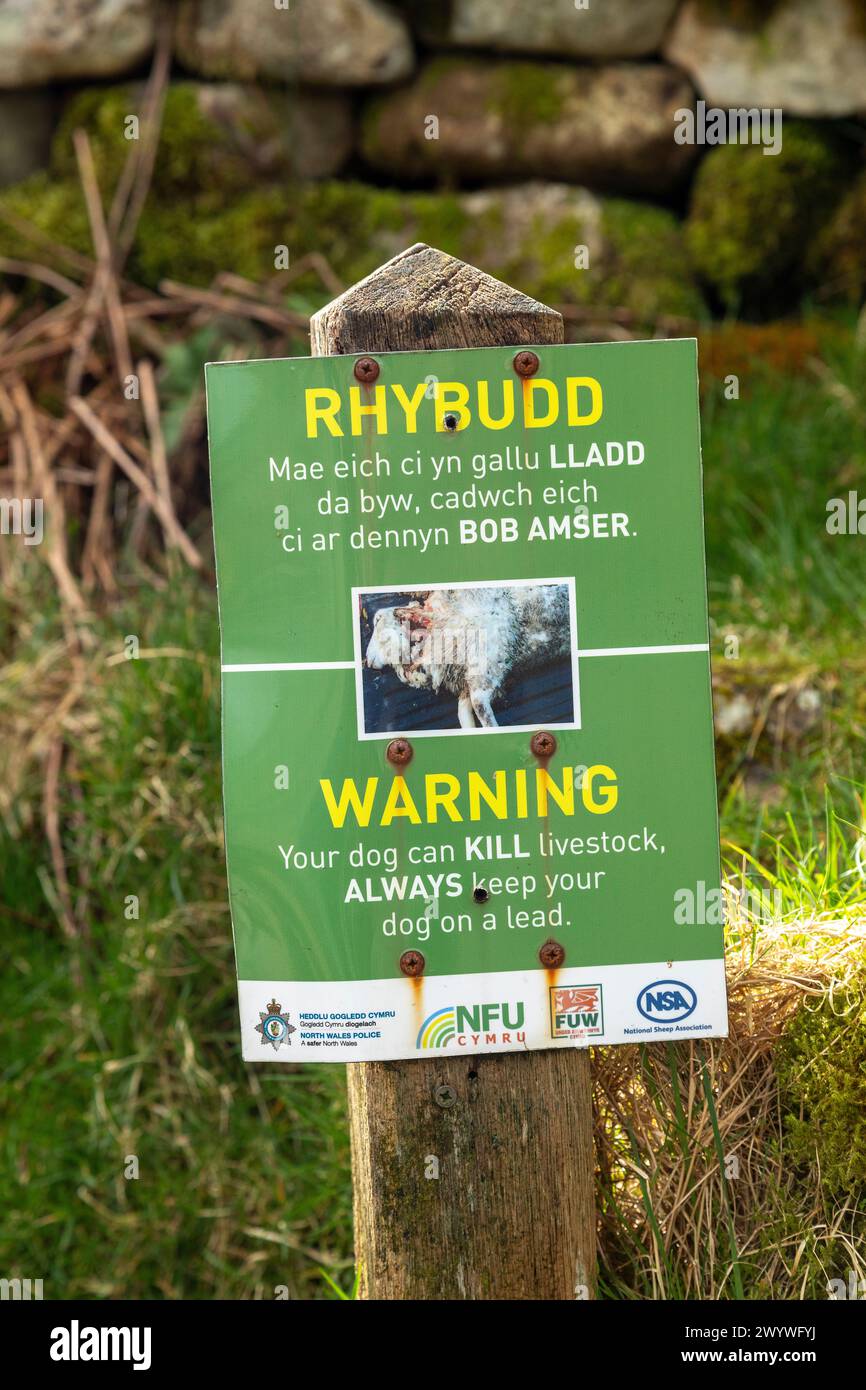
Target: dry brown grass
{"x":672,"y":1214}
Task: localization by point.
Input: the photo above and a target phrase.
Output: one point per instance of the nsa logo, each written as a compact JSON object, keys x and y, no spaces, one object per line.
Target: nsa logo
{"x":576,"y":1011}
{"x":275,"y":1027}
{"x":667,"y":1001}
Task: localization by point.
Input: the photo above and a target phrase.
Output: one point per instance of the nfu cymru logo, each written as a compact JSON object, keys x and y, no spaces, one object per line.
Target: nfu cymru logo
{"x":576,"y":1011}
{"x":473,"y":1023}
{"x":275,"y":1027}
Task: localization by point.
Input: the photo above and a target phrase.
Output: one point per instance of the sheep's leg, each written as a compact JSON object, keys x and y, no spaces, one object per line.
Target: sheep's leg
{"x":483,"y":709}
{"x":465,"y":716}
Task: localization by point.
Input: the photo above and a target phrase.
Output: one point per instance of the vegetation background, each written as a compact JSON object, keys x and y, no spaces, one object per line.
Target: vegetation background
{"x":274,"y":161}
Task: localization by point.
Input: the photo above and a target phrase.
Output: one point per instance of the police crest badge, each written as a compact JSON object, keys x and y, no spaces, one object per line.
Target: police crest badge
{"x":275,"y":1027}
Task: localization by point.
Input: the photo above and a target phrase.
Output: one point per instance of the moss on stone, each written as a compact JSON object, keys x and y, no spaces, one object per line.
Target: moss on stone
{"x":439,"y":70}
{"x":822,"y":1077}
{"x":543,"y":265}
{"x":526,"y":94}
{"x":195,"y":150}
{"x":357,"y":226}
{"x":194,"y":242}
{"x":523,"y":95}
{"x":103,"y":111}
{"x":441,"y":220}
{"x":752,"y":215}
{"x":378,"y":110}
{"x":354,"y":226}
{"x":54,"y":207}
{"x":640,"y":265}
{"x":648,"y":269}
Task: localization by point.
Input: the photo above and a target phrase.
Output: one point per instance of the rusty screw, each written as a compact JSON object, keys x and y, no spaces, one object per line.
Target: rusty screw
{"x":526,"y":363}
{"x":366,"y":369}
{"x":412,"y":964}
{"x":551,"y":955}
{"x":445,"y":1096}
{"x":399,"y":752}
{"x":543,"y":744}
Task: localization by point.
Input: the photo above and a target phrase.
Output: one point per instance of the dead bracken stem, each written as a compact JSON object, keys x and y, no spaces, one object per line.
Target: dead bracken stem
{"x":110,"y":433}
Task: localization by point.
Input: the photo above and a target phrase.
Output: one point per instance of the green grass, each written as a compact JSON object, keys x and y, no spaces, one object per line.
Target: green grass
{"x":126,"y":1043}
{"x":789,"y":593}
{"x":772,"y":461}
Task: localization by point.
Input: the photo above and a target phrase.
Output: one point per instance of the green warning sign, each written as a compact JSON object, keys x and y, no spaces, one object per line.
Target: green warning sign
{"x":467,"y":723}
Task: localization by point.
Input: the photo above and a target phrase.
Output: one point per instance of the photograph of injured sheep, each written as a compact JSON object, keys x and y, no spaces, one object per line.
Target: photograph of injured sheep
{"x":466,"y":657}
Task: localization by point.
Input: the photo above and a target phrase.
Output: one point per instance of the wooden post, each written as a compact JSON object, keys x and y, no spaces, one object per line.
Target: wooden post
{"x":511,"y":1214}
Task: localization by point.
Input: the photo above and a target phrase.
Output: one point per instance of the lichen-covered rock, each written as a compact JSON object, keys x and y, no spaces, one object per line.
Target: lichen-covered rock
{"x":59,"y":40}
{"x":320,"y":133}
{"x":222,"y":188}
{"x":609,"y":127}
{"x":330,"y":42}
{"x":806,"y":56}
{"x":559,"y":244}
{"x":752,"y":217}
{"x":216,"y":138}
{"x":566,"y":247}
{"x":302,"y":132}
{"x":51,"y":205}
{"x":624,"y":29}
{"x":562,"y":245}
{"x":836,"y":259}
{"x":27,"y":122}
{"x":536,"y":236}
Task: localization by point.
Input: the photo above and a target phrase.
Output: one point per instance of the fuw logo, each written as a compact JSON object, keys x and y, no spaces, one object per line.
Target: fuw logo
{"x":669,"y":1001}
{"x":462,"y":1023}
{"x":576,"y":1011}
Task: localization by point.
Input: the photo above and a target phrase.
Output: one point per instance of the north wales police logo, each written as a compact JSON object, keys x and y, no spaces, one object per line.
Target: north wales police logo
{"x":275,"y":1027}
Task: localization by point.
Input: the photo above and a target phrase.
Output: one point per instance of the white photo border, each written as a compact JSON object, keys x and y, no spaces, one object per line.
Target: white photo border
{"x":397,"y":588}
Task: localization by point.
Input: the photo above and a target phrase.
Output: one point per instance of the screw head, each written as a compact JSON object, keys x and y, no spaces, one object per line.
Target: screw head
{"x":366,"y":369}
{"x":526,"y":363}
{"x":399,"y":752}
{"x":445,"y":1096}
{"x":412,"y":964}
{"x":480,"y":893}
{"x":543,"y":744}
{"x":551,"y":955}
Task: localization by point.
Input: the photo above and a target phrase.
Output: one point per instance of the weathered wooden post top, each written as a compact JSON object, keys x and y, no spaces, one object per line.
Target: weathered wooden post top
{"x":510,"y":1212}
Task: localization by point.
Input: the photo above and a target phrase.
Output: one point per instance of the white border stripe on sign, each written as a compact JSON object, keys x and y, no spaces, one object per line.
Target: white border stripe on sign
{"x":291,"y":666}
{"x":235,"y":667}
{"x":645,"y":651}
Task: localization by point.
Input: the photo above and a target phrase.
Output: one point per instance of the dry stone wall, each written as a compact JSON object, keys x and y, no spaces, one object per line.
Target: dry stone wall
{"x":574,"y":142}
